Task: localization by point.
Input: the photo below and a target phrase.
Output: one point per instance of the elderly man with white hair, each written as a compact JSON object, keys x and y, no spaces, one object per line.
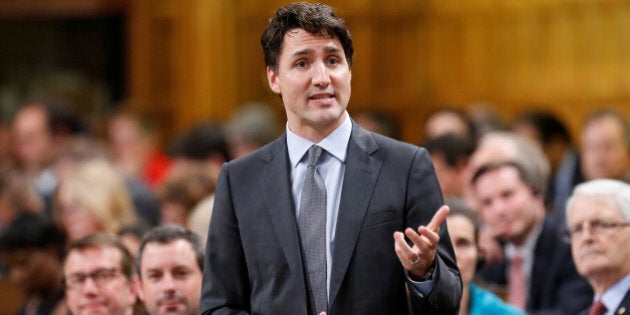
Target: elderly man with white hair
{"x":598,"y":219}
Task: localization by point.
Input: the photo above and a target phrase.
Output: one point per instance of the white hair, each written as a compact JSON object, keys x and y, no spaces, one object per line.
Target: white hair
{"x":605,"y":189}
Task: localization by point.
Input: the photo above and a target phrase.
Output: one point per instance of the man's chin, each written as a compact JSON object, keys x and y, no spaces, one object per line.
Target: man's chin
{"x":94,"y":310}
{"x":173,"y":309}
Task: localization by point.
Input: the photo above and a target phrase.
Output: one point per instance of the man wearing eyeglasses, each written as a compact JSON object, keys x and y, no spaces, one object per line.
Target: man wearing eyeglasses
{"x":99,"y":276}
{"x":598,"y":216}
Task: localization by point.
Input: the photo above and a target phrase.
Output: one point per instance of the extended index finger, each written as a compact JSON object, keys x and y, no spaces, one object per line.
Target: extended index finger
{"x":438,"y":218}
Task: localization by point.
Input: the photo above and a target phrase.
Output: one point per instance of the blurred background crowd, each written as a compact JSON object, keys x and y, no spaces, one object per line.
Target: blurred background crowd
{"x":125,"y":183}
{"x":116,"y":116}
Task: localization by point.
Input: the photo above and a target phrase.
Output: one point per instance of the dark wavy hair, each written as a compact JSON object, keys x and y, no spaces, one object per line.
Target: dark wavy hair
{"x":314,"y":18}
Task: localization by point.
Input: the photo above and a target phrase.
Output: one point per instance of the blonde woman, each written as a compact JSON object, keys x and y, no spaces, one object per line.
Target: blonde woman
{"x":92,"y":197}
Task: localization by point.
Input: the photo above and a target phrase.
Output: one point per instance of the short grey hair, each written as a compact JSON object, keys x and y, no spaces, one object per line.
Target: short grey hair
{"x":524,"y":152}
{"x":605,"y":189}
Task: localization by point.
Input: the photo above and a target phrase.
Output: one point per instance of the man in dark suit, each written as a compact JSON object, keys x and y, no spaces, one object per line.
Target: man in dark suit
{"x":598,"y":219}
{"x":375,"y":188}
{"x":538,"y":271}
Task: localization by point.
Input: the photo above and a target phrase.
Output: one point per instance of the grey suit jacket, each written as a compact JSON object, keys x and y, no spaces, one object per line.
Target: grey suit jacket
{"x":253,"y":263}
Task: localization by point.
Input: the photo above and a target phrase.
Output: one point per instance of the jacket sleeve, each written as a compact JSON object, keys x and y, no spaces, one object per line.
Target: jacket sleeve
{"x":225,"y":287}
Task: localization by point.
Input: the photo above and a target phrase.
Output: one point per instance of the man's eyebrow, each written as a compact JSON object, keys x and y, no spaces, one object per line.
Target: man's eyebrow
{"x":332,"y":49}
{"x":309,"y":51}
{"x":303,"y":52}
{"x":153,"y":270}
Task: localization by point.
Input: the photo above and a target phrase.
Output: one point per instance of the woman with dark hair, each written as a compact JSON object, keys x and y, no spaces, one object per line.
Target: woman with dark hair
{"x":463,"y":227}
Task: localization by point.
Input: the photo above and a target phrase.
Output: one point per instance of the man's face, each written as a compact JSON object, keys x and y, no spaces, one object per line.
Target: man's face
{"x":449,"y":177}
{"x":508,"y":206}
{"x":95,"y":283}
{"x":32,"y":140}
{"x":313,"y":78}
{"x":604,"y":150}
{"x":603,"y":254}
{"x":170,"y":278}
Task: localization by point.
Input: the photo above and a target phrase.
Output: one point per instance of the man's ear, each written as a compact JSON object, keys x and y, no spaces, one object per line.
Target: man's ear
{"x":273,"y":78}
{"x":136,"y":287}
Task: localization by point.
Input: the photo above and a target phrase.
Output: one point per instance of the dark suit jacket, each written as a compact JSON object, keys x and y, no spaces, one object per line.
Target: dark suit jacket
{"x":622,"y":309}
{"x":253,"y":263}
{"x":555,"y":285}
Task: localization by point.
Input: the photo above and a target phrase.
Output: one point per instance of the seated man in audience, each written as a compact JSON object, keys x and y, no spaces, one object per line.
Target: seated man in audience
{"x":598,"y":220}
{"x":100,"y":277}
{"x":537,"y":270}
{"x":605,"y":150}
{"x":551,"y":132}
{"x":170,"y":261}
{"x":31,"y":248}
{"x":449,"y":120}
{"x":450,"y":154}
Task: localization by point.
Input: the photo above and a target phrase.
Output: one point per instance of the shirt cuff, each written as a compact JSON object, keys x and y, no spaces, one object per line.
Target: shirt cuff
{"x":424,"y":286}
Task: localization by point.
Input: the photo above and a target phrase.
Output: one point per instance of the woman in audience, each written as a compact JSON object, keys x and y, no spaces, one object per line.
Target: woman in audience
{"x":463,"y":228}
{"x":92,"y":197}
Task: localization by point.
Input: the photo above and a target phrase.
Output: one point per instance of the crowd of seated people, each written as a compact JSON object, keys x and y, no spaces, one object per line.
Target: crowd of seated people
{"x":101,"y":218}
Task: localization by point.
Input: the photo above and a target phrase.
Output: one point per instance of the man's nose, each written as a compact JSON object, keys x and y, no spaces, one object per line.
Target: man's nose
{"x":89,"y":286}
{"x":168,"y":283}
{"x":321,"y":75}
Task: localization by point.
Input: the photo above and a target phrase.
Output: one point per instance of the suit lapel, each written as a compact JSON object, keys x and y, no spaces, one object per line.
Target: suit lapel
{"x":624,"y":306}
{"x":359,"y":180}
{"x":276,"y":187}
{"x":545,"y":248}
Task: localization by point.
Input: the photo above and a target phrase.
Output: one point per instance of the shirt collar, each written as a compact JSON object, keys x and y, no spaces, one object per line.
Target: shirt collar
{"x":335,"y":143}
{"x":613,"y":296}
{"x":528,"y":248}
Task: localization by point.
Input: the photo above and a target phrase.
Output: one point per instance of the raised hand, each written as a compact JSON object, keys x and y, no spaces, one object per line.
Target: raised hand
{"x":417,"y":259}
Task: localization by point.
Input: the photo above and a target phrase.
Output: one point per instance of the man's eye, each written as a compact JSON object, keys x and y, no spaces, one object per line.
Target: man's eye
{"x":181,"y":273}
{"x":333,"y":61}
{"x":153,"y":276}
{"x":300,"y":64}
{"x":77,"y":279}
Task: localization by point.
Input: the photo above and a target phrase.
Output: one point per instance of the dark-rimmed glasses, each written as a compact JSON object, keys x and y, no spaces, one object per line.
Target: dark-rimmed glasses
{"x":100,"y":277}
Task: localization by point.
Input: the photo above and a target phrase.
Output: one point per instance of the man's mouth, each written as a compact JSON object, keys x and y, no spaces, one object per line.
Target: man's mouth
{"x":321,"y":96}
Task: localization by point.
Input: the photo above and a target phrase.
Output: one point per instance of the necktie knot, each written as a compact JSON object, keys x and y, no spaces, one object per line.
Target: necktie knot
{"x":598,"y":308}
{"x":517,"y":261}
{"x":314,"y":153}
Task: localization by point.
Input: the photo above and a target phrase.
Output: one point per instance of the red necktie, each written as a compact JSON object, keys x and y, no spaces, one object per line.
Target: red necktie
{"x":597,"y":308}
{"x":516,"y":283}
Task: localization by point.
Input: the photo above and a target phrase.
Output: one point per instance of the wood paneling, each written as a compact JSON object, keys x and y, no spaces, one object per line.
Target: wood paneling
{"x":183,"y":60}
{"x":59,"y":8}
{"x":197,"y":58}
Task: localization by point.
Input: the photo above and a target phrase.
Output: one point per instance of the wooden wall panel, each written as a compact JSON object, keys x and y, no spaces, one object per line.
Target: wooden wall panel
{"x":411,"y":56}
{"x":183,"y":60}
